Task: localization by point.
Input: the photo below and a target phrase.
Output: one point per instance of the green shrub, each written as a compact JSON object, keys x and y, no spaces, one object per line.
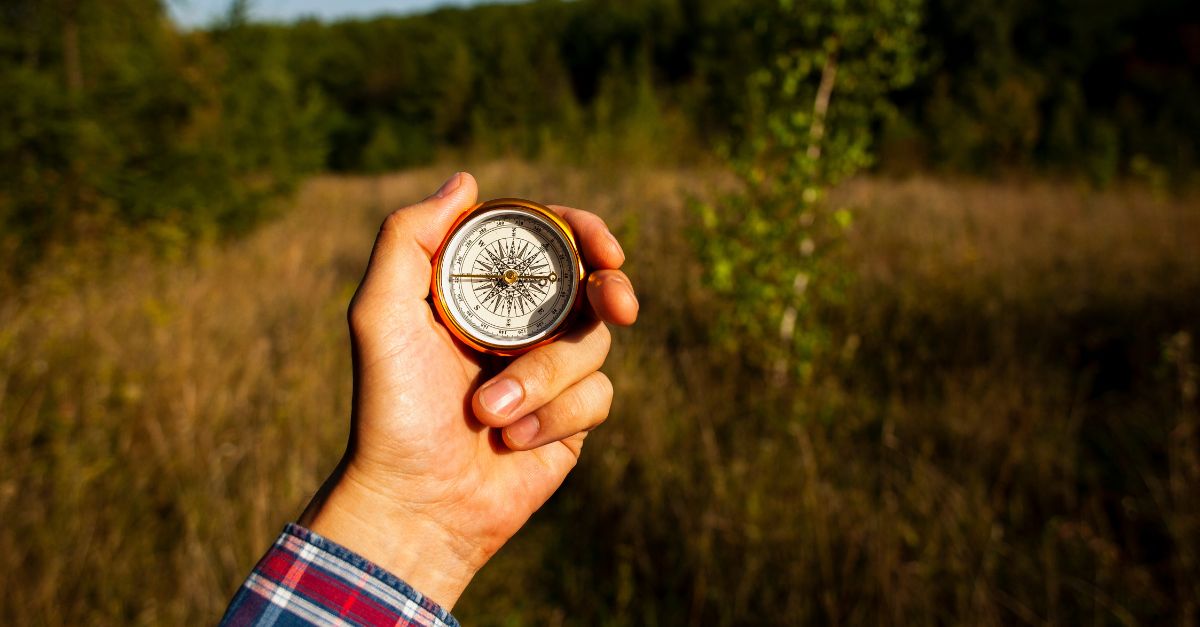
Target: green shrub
{"x":766,"y":248}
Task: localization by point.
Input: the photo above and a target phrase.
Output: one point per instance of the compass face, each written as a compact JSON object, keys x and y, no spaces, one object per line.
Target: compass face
{"x":508,"y":277}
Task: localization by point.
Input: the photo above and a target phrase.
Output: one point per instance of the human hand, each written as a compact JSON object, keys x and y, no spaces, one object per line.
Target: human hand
{"x":445,"y":464}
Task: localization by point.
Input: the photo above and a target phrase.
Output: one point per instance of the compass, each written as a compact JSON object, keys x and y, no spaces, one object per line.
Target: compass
{"x":509,"y":277}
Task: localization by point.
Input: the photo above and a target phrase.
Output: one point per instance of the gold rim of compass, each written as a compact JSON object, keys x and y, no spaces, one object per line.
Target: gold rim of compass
{"x":519,"y":205}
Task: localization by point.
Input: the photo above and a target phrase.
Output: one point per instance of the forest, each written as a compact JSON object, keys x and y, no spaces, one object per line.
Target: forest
{"x":112,"y":113}
{"x":918,"y":279}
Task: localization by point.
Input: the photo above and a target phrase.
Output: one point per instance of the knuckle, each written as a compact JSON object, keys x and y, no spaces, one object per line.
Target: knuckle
{"x":593,"y":402}
{"x":400,"y":222}
{"x":394,"y":221}
{"x":604,"y":387}
{"x":543,"y":368}
{"x":586,"y":219}
{"x":572,"y":409}
{"x":604,"y":398}
{"x":597,"y":419}
{"x":358,"y":314}
{"x":602,"y":339}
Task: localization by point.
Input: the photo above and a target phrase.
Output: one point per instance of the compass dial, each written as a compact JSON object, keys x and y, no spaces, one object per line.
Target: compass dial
{"x":507,"y":278}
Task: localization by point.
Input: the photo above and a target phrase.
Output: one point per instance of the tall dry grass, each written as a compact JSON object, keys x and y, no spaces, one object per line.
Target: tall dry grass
{"x":1009,"y":434}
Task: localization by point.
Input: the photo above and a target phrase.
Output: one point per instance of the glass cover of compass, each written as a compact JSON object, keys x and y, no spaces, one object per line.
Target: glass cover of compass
{"x":508,"y":277}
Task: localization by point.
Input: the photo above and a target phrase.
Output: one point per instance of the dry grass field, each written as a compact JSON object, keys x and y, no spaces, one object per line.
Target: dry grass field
{"x":1009,"y":434}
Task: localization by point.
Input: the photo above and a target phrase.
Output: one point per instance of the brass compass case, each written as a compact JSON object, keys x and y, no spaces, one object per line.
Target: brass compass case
{"x":443,"y":302}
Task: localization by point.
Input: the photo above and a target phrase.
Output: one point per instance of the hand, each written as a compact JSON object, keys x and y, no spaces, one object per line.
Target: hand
{"x":440,"y":470}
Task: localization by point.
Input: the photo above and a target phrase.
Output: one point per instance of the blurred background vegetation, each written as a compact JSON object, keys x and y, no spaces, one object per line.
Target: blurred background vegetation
{"x":920,"y":287}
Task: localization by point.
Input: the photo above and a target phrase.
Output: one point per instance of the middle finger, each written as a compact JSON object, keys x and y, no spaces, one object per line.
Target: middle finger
{"x":536,"y":377}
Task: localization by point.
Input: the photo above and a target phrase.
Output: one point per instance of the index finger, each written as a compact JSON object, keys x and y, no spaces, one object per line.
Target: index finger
{"x":600,"y":247}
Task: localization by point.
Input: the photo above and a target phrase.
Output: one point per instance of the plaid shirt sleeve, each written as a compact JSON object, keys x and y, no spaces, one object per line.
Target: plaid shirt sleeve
{"x":305,"y":579}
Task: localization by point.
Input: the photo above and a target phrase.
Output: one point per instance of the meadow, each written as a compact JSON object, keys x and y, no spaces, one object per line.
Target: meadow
{"x":1007,"y":433}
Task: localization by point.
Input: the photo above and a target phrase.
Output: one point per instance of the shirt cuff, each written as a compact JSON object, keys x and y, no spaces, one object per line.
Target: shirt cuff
{"x":308,"y":579}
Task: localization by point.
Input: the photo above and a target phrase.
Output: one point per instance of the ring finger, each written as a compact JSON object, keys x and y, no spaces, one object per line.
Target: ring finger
{"x":537,"y":377}
{"x":581,"y":407}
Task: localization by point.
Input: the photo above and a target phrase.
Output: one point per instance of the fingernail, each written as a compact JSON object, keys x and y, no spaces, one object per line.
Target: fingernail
{"x":523,"y":431}
{"x":449,"y":186}
{"x":501,"y":396}
{"x":613,"y":238}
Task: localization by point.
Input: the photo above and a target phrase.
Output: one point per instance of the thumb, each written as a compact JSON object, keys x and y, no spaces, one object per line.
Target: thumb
{"x":400,"y":269}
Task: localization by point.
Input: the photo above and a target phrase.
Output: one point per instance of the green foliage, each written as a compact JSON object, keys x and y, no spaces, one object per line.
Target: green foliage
{"x":1061,"y":85}
{"x":1071,"y":85}
{"x":270,"y":131}
{"x":767,"y":248}
{"x":111,"y":117}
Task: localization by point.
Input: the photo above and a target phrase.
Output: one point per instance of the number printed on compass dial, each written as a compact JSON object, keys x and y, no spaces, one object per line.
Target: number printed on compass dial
{"x":508,"y":277}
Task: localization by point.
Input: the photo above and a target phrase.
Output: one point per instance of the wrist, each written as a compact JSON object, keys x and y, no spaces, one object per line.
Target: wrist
{"x":412,"y":546}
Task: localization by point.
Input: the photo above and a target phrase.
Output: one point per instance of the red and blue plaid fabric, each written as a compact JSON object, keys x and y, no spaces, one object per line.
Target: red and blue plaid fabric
{"x":306,"y":579}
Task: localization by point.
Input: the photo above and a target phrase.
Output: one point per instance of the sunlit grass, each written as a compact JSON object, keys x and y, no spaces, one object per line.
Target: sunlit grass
{"x":1009,"y":434}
